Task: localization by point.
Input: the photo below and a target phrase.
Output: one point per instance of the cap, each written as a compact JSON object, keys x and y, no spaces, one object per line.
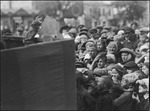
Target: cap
{"x":144,"y":29}
{"x":84,"y":29}
{"x":130,"y":64}
{"x":107,"y":27}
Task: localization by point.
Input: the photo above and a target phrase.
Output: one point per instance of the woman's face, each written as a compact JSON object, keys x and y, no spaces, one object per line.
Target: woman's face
{"x":101,"y":63}
{"x":124,"y":57}
{"x":112,"y":50}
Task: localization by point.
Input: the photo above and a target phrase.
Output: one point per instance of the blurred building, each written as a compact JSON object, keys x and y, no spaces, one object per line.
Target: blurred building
{"x":95,"y":13}
{"x":146,"y":19}
{"x":17,"y":12}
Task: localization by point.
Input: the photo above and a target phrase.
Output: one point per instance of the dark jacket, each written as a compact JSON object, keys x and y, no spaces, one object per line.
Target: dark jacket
{"x":104,"y":102}
{"x":125,"y":102}
{"x":84,"y":100}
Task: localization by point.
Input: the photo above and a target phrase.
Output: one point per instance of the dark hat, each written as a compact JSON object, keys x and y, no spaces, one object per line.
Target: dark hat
{"x":126,"y":50}
{"x":128,"y":29}
{"x":97,"y":36}
{"x":83,"y":33}
{"x":119,"y":69}
{"x":66,"y":27}
{"x":99,"y":27}
{"x":130,"y":64}
{"x":80,"y":26}
{"x":107,"y":27}
{"x":144,"y":29}
{"x":84,"y":29}
{"x":104,"y":31}
{"x":100,"y":72}
{"x":80,"y":64}
{"x":19,"y":29}
{"x":93,"y":30}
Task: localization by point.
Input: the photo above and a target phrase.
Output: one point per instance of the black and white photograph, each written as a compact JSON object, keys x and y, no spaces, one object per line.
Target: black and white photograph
{"x":74,"y":55}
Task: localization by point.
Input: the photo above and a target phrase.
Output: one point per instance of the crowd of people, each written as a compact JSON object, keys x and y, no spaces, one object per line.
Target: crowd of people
{"x":112,"y":65}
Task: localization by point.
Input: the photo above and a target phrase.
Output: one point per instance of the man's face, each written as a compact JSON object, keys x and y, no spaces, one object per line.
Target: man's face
{"x":124,"y":57}
{"x":101,"y":63}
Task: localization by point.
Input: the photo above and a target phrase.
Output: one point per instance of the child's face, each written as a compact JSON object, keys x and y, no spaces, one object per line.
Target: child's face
{"x":99,"y":46}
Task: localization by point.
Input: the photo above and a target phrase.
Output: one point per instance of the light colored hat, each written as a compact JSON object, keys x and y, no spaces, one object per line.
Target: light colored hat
{"x":145,"y":46}
{"x":144,"y":29}
{"x":120,"y":32}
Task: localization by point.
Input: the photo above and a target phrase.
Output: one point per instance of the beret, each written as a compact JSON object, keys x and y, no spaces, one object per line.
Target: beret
{"x":131,"y":64}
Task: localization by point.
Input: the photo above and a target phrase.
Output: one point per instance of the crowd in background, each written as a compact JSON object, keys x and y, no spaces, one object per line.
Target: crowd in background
{"x":112,"y":64}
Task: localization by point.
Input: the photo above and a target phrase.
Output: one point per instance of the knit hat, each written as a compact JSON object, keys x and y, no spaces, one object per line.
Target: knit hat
{"x":130,"y":64}
{"x":100,"y":72}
